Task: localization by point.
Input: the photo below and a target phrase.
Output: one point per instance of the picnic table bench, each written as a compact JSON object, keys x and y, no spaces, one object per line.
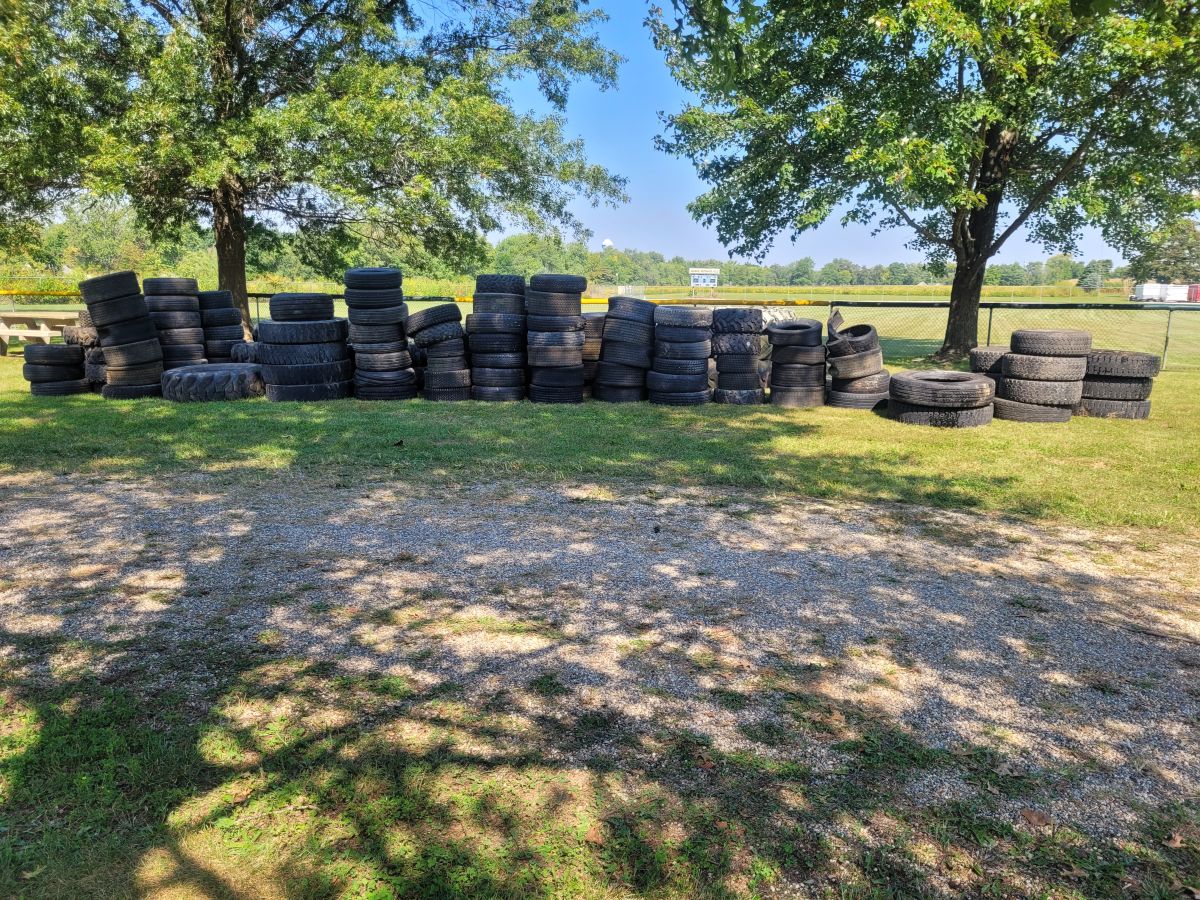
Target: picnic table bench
{"x":33,"y":327}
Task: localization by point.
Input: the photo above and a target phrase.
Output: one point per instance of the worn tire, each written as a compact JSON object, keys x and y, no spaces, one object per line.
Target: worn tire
{"x":1044,"y":368}
{"x":618,"y":375}
{"x":665,"y":383}
{"x":1014,"y":411}
{"x":559,"y":376}
{"x":554,"y":339}
{"x":373,"y":298}
{"x":738,"y":363}
{"x":738,"y":320}
{"x":631,"y":309}
{"x":301,"y":307}
{"x":879,"y":383}
{"x":546,"y":394}
{"x":1113,"y":409}
{"x":845,"y":400}
{"x":681,"y":366}
{"x":938,"y":416}
{"x":504,"y":304}
{"x":688,"y":350}
{"x":211,"y":300}
{"x":170,"y":285}
{"x":681,"y":334}
{"x":1045,"y":393}
{"x":131,"y":391}
{"x":228,"y":381}
{"x":453,"y":347}
{"x":499,"y":284}
{"x":498,"y":323}
{"x":1123,"y":363}
{"x":438,"y":334}
{"x":383,"y":362}
{"x":683,"y":317}
{"x":333,"y":390}
{"x":245,"y":352}
{"x":143,"y":373}
{"x":460,"y":378}
{"x":680,"y":398}
{"x":855,"y":339}
{"x":60,"y":388}
{"x":117,"y":310}
{"x":223,"y":317}
{"x":446,"y":395}
{"x":373,"y":278}
{"x":555,"y":323}
{"x":327,"y":331}
{"x":54,"y":354}
{"x":942,"y":389}
{"x":987,"y":359}
{"x":174,"y":352}
{"x":172,"y":303}
{"x":748,"y":397}
{"x":498,"y":360}
{"x":37,"y":373}
{"x":798,"y":376}
{"x":309,"y":373}
{"x":380,"y":315}
{"x":376,"y":334}
{"x":301,"y":354}
{"x":1101,"y":387}
{"x":497,"y":393}
{"x":135,"y":354}
{"x":541,"y":303}
{"x":498,"y":377}
{"x":628,"y":331}
{"x":496,"y":343}
{"x":553,"y":357}
{"x":855,"y":365}
{"x":739,"y":381}
{"x":132,"y":331}
{"x":181,"y":336}
{"x":109,"y":287}
{"x":638,"y":355}
{"x":609,"y":393}
{"x":737,"y":343}
{"x":1051,"y":342}
{"x":794,"y":333}
{"x":441,"y":314}
{"x":557,"y":284}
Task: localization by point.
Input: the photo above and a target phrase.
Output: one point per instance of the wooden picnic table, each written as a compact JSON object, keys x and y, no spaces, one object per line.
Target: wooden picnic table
{"x":33,"y":327}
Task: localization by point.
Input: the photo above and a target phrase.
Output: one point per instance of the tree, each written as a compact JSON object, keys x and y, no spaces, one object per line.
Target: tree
{"x":1062,"y":267}
{"x":352,"y":122}
{"x":962,"y":121}
{"x":1094,"y":274}
{"x":1173,"y":255}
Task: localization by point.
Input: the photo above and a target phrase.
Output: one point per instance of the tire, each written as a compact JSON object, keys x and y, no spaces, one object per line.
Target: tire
{"x":879,"y":383}
{"x":54,"y":354}
{"x":938,"y":416}
{"x":737,"y":343}
{"x":630,"y":309}
{"x":638,"y":355}
{"x":447,"y":364}
{"x":118,"y":310}
{"x":309,"y":373}
{"x":245,"y":352}
{"x":1013,"y":411}
{"x":301,"y":354}
{"x":144,"y":373}
{"x":553,"y":357}
{"x":383,"y":315}
{"x":1047,"y":342}
{"x":1114,"y":409}
{"x":855,"y":339}
{"x":505,"y":304}
{"x":559,"y":376}
{"x":1123,"y":364}
{"x":174,"y":352}
{"x":798,"y":376}
{"x":221,"y":318}
{"x":438,"y":334}
{"x":738,"y":320}
{"x":333,"y":390}
{"x":109,"y":287}
{"x":857,"y":365}
{"x":499,"y":284}
{"x":382,"y":362}
{"x":496,"y":323}
{"x":749,"y":397}
{"x":593,"y":325}
{"x":135,"y":354}
{"x":617,"y":375}
{"x":228,"y":381}
{"x":498,"y":377}
{"x":389,"y":347}
{"x":455,"y":347}
{"x":140,"y":329}
{"x":739,"y":363}
{"x":301,"y":307}
{"x":541,"y":393}
{"x":181,"y":336}
{"x":681,"y":366}
{"x":798,"y":398}
{"x":794,"y":333}
{"x":554,"y":339}
{"x":1045,"y":393}
{"x":97,"y":373}
{"x":538,"y":303}
{"x":843,"y":400}
{"x":987,"y":359}
{"x":367,"y":298}
{"x":171,"y":303}
{"x":390,"y":392}
{"x":223,"y":333}
{"x":131,"y":391}
{"x":170,"y":286}
{"x":1100,"y":387}
{"x":497,"y":393}
{"x":739,"y":381}
{"x":687,"y":398}
{"x":60,"y":388}
{"x":678,"y":334}
{"x":496,"y":343}
{"x":212,"y":300}
{"x":446,"y":395}
{"x":499,"y":360}
{"x":1044,"y":368}
{"x":556,"y":323}
{"x":376,"y":334}
{"x":454,"y":379}
{"x":607,"y":393}
{"x":557,"y":284}
{"x":373,"y":278}
{"x":689,"y":350}
{"x":37,"y":373}
{"x":328,"y":331}
{"x":628,"y":331}
{"x":441,"y":314}
{"x":77,"y":336}
{"x":793,"y":355}
{"x":664,"y":383}
{"x":942,"y":389}
{"x":168,"y":365}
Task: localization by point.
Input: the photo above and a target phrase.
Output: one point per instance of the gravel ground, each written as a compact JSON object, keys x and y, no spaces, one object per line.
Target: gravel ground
{"x":1062,"y":649}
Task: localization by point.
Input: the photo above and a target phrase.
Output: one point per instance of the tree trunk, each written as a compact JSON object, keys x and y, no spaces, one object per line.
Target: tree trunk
{"x":229,"y":227}
{"x":962,"y":324}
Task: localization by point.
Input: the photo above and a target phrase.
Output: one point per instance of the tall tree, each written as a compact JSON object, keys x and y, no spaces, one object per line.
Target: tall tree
{"x":350,"y":121}
{"x":961,"y":120}
{"x":1173,"y":255}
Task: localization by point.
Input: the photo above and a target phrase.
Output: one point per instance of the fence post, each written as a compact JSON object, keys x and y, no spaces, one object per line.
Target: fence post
{"x":1167,"y":338}
{"x":257,"y":311}
{"x":988,"y":342}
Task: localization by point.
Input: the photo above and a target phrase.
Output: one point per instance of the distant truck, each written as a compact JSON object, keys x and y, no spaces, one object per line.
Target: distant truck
{"x":1166,"y":293}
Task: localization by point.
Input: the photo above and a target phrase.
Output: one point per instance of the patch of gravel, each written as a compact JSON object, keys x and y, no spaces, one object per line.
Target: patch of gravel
{"x":1065,"y":650}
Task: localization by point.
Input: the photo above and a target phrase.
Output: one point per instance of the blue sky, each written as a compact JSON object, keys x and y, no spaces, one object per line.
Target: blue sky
{"x":618,"y":127}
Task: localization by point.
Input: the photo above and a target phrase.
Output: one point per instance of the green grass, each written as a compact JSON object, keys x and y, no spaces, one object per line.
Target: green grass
{"x":1091,"y":471}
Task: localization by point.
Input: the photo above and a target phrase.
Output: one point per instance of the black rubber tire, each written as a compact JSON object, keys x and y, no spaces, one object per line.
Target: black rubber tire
{"x":383,"y":362}
{"x":987,"y":359}
{"x":37,"y":373}
{"x":617,"y":375}
{"x":60,"y":388}
{"x":490,"y":283}
{"x":1100,"y":387}
{"x":220,"y":350}
{"x":942,"y":389}
{"x":390,"y":392}
{"x":140,"y":329}
{"x":540,"y":393}
{"x":373,"y":278}
{"x":558,"y":376}
{"x":496,"y":323}
{"x":180,"y":336}
{"x":109,"y":287}
{"x":228,"y":381}
{"x":504,"y":304}
{"x":797,"y":376}
{"x":631,"y":309}
{"x":387,"y":347}
{"x":1051,"y":342}
{"x":176,"y":351}
{"x":1113,"y":409}
{"x":737,"y":343}
{"x":438,"y":334}
{"x":640,"y":356}
{"x":143,"y":373}
{"x":168,"y":365}
{"x":1044,"y":368}
{"x":54,"y":354}
{"x":224,"y":317}
{"x":555,"y":323}
{"x":554,"y":339}
{"x":401,"y":376}
{"x":879,"y":383}
{"x":855,"y":339}
{"x":664,"y":383}
{"x":628,"y":331}
{"x":446,"y":364}
{"x":371,"y":298}
{"x":210,"y":300}
{"x":424,"y":319}
{"x":455,"y":347}
{"x":301,"y":307}
{"x":739,"y":381}
{"x":223,"y":333}
{"x":1013,"y":411}
{"x":84,"y":319}
{"x":498,"y":360}
{"x":608,"y":393}
{"x":683,"y":317}
{"x":557,"y":284}
{"x":131,"y":391}
{"x":844,"y":400}
{"x":856,"y":365}
{"x":593,"y":325}
{"x":446,"y":395}
{"x":118,"y":310}
{"x":496,"y":343}
{"x":77,"y":336}
{"x":748,"y":397}
{"x":172,"y":303}
{"x":95,"y":373}
{"x":554,"y":357}
{"x":794,"y":333}
{"x":498,"y":377}
{"x":135,"y":354}
{"x":328,"y":331}
{"x":308,"y":373}
{"x":169,"y":285}
{"x":681,"y":366}
{"x":539,"y":303}
{"x":1123,"y":363}
{"x":738,"y":320}
{"x":497,"y":393}
{"x":301,"y":354}
{"x":1046,"y":393}
{"x":334,"y":390}
{"x":738,"y":363}
{"x":383,"y":315}
{"x":245,"y":352}
{"x":460,"y":378}
{"x":794,"y":355}
{"x":799,"y":397}
{"x":938,"y":416}
{"x":689,"y":350}
{"x":173,"y":321}
{"x":376,"y":334}
{"x":688,"y":398}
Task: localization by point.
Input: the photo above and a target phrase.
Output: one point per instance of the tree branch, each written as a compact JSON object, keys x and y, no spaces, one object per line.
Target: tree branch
{"x":925,"y":232}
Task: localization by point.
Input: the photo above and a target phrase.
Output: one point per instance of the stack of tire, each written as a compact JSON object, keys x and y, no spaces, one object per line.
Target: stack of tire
{"x":1118,"y":384}
{"x":438,"y":331}
{"x":378,"y":315}
{"x":84,"y":335}
{"x":737,"y":347}
{"x":222,"y":322}
{"x":555,"y":337}
{"x":174,"y":305}
{"x":54,"y":370}
{"x":682,"y":349}
{"x":988,"y":361}
{"x":626,"y":351}
{"x":797,"y":363}
{"x":942,"y":399}
{"x":496,"y":338}
{"x":302,"y":350}
{"x":855,"y":359}
{"x":1042,"y":375}
{"x":133,"y":356}
{"x":593,"y":338}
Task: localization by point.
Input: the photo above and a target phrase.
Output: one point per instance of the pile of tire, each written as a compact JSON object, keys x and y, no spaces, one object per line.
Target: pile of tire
{"x":302,"y":350}
{"x":83,"y":334}
{"x":737,"y":348}
{"x":438,"y":331}
{"x":988,"y":361}
{"x":555,"y":337}
{"x":682,"y":349}
{"x":378,"y":320}
{"x":1041,"y":377}
{"x":496,"y":338}
{"x":174,"y":305}
{"x":133,"y":356}
{"x":626,"y":351}
{"x":1118,"y":383}
{"x":942,"y":399}
{"x":593,"y":338}
{"x":222,"y":322}
{"x":858,"y":379}
{"x":54,"y":370}
{"x":797,"y":363}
